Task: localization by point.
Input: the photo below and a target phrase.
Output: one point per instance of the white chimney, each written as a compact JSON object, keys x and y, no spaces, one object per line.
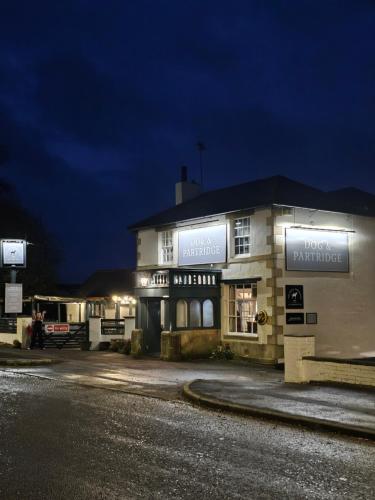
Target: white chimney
{"x":186,"y":190}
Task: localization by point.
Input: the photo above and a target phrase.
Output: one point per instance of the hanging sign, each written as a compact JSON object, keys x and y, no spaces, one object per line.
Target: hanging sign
{"x":206,"y":245}
{"x":13,"y":298}
{"x":316,"y":250}
{"x":13,"y":253}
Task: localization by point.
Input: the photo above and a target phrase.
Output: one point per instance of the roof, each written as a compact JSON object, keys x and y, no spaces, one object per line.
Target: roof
{"x":276,"y":190}
{"x":108,"y":282}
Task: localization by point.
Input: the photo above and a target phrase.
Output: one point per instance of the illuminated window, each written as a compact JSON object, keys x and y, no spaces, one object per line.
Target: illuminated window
{"x":208,"y":313}
{"x":242,"y":308}
{"x":241,"y":233}
{"x":195,"y":314}
{"x":167,"y":247}
{"x":181,"y":314}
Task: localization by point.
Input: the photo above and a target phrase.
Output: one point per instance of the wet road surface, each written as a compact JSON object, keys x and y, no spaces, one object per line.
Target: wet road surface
{"x":64,"y":441}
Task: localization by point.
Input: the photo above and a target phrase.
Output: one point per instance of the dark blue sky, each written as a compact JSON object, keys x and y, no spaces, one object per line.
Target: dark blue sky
{"x":101,"y":102}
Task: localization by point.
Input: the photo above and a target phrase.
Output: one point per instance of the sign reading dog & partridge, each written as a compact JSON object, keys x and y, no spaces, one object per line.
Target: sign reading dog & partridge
{"x":316,"y":250}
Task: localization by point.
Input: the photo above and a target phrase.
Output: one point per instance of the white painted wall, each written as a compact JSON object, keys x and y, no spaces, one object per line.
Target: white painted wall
{"x":345,"y":302}
{"x":147,"y":248}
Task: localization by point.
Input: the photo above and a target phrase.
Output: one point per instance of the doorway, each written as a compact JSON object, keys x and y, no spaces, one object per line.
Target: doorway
{"x":152,"y":326}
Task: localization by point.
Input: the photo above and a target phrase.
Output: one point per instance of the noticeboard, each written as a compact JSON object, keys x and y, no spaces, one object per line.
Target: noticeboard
{"x":13,"y":298}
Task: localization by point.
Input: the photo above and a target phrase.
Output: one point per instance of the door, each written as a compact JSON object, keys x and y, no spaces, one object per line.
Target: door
{"x":152,"y":329}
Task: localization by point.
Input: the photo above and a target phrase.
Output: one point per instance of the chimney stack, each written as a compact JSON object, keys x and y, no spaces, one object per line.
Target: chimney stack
{"x":186,"y":190}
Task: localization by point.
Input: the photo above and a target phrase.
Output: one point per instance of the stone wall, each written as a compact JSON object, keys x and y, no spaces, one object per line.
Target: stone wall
{"x":301,"y":366}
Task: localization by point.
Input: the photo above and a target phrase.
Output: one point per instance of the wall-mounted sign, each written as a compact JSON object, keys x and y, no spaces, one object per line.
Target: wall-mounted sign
{"x":206,"y":245}
{"x":57,"y":328}
{"x":13,"y":298}
{"x":294,"y":296}
{"x":316,"y":250}
{"x":311,"y":318}
{"x":13,"y":253}
{"x":295,"y":318}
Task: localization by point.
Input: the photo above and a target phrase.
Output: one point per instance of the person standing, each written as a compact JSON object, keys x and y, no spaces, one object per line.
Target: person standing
{"x":37,"y":330}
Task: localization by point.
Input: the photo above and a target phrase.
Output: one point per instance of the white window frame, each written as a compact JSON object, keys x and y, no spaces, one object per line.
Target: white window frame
{"x":245,"y":233}
{"x":233,"y":309}
{"x":166,"y":247}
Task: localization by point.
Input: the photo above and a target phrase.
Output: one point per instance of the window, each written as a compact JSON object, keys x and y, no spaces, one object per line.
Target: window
{"x":241,"y":231}
{"x":242,"y":309}
{"x":195,"y":314}
{"x":181,"y":314}
{"x":208,"y":313}
{"x":167,"y":247}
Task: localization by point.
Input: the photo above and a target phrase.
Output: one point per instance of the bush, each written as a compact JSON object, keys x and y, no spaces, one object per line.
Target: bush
{"x":103,"y":346}
{"x":126,"y":347}
{"x":222,"y":352}
{"x":17,"y":344}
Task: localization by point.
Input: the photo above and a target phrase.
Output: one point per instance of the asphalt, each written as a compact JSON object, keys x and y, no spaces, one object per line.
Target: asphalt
{"x":231,"y":386}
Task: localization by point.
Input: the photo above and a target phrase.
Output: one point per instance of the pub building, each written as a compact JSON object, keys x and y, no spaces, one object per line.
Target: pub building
{"x":248,"y":264}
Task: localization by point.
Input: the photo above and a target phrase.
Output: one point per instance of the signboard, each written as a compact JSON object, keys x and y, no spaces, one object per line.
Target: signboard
{"x":57,"y":328}
{"x":316,"y":250}
{"x":295,"y":318}
{"x":311,"y":318}
{"x":13,"y":298}
{"x":206,"y":245}
{"x":13,"y":253}
{"x":294,"y":296}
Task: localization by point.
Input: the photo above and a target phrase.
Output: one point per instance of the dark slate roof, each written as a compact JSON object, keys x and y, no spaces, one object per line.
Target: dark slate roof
{"x":276,"y":190}
{"x":108,"y":282}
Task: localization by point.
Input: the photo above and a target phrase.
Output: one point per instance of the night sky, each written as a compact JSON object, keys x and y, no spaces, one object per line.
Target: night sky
{"x":102,"y":102}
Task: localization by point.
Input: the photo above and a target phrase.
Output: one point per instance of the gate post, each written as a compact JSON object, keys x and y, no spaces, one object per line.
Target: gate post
{"x":137,"y":342}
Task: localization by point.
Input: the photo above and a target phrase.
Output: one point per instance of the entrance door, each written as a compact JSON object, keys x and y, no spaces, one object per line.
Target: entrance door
{"x":152,"y":329}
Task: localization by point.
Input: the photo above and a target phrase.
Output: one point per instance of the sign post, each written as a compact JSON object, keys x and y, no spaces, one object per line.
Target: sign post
{"x":13,"y":256}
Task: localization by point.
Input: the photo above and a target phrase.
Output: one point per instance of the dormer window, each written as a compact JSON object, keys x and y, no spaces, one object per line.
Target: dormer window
{"x":241,"y":233}
{"x":167,"y":247}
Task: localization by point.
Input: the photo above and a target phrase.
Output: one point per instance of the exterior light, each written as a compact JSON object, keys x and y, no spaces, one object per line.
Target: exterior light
{"x":134,"y":301}
{"x":144,"y":281}
{"x":114,"y":298}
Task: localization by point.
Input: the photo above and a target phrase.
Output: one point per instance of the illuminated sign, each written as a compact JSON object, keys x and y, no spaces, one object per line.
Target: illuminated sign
{"x":206,"y":245}
{"x":13,"y":253}
{"x":316,"y":250}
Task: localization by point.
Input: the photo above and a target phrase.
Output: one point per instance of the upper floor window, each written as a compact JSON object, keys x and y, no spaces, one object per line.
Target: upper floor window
{"x":241,"y":236}
{"x":167,"y":247}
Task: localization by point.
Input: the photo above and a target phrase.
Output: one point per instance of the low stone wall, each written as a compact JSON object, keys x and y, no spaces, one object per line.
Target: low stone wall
{"x":253,"y":351}
{"x":188,"y":344}
{"x":301,"y":365}
{"x":20,"y":335}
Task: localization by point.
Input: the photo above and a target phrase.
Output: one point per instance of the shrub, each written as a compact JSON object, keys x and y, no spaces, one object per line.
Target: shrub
{"x":103,"y":346}
{"x":222,"y":352}
{"x":126,"y":347}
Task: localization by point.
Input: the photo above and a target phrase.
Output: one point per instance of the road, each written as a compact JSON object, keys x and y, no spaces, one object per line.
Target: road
{"x":66,"y":441}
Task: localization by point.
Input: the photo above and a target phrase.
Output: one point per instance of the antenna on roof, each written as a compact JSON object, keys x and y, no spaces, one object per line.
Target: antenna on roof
{"x":201,"y":147}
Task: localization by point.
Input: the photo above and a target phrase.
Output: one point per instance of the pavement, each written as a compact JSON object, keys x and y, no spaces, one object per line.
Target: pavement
{"x":234,"y":386}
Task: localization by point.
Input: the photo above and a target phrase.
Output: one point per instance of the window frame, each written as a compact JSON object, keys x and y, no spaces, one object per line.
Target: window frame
{"x":236,"y":237}
{"x":232,"y":310}
{"x":166,"y":247}
{"x":201,"y":302}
